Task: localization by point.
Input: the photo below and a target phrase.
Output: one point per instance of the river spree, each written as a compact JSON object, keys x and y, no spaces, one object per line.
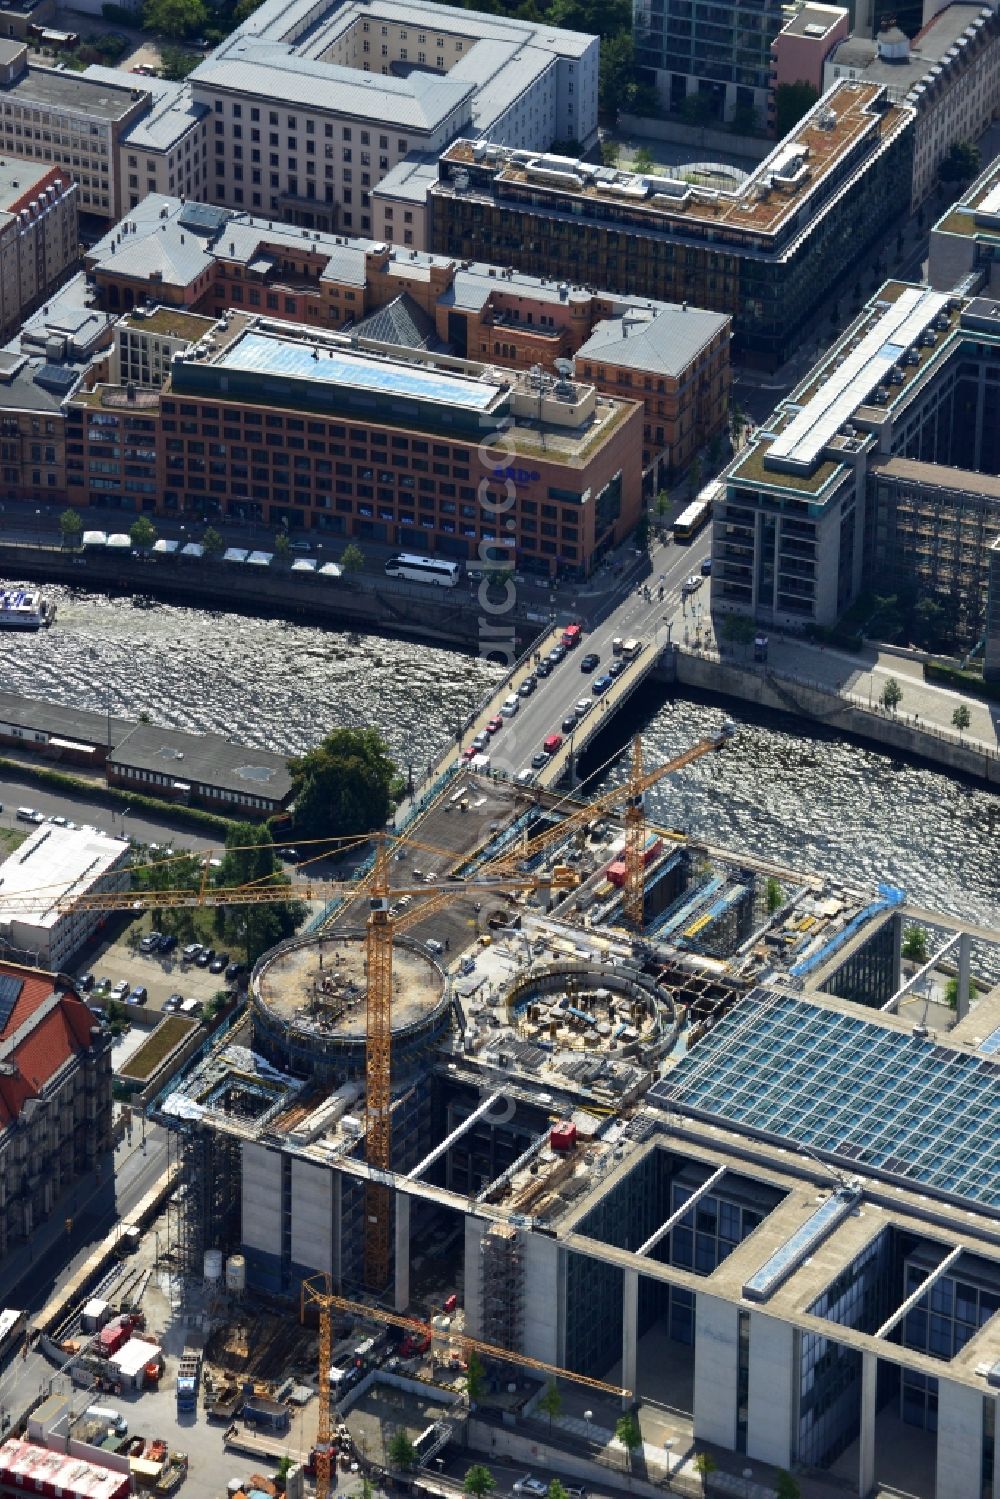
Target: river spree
{"x":782,"y":791}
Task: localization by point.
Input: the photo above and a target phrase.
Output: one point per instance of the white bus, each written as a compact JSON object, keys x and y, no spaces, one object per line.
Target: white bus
{"x":423,"y":569}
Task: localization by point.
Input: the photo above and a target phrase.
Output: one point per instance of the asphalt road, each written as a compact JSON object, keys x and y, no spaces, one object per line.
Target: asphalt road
{"x":542,"y":714}
{"x":79,"y":809}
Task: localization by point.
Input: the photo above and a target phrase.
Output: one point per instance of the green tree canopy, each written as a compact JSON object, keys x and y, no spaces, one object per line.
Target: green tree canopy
{"x":353,"y":559}
{"x":71,"y":526}
{"x":175,"y":18}
{"x":142,"y":533}
{"x":961,"y":163}
{"x":785,"y":1486}
{"x":402,"y":1453}
{"x":642,"y":161}
{"x":775,"y":895}
{"x":475,"y":1376}
{"x":177,"y":62}
{"x":550,"y":1403}
{"x":915,"y":944}
{"x":479,"y":1481}
{"x":705,"y":1466}
{"x":792,"y":101}
{"x":557,"y":1490}
{"x":961,"y":718}
{"x":213,"y":543}
{"x":610,"y":153}
{"x":282,"y":545}
{"x":250,"y":860}
{"x":892,"y":695}
{"x":342,"y":786}
{"x":627,"y":1432}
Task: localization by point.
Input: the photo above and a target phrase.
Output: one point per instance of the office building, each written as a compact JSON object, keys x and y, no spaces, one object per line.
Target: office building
{"x":165,"y":149}
{"x":719,"y":54}
{"x":949,"y":74}
{"x":879,"y":470}
{"x":963,"y":241}
{"x":55,"y":1097}
{"x":779,"y":1223}
{"x":40,"y":877}
{"x":39,"y":241}
{"x":991,"y":650}
{"x":201,"y":769}
{"x":765,"y":253}
{"x":311,"y":107}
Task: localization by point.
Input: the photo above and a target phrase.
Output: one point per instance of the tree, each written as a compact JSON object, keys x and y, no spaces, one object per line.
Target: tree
{"x":556,"y":1490}
{"x":343,"y":785}
{"x":792,"y":101}
{"x":142,"y":533}
{"x":662,"y":503}
{"x":627,"y":1432}
{"x":353,"y":559}
{"x":475,"y":1377}
{"x":929,"y":624}
{"x":610,"y":153}
{"x":961,"y":718}
{"x":402,"y":1453}
{"x":892,"y":695}
{"x":642,"y":161}
{"x":367,"y":1487}
{"x":961,"y":163}
{"x":915,"y":944}
{"x":250,"y":860}
{"x":737,"y":423}
{"x":619,"y":88}
{"x":775,"y":896}
{"x":285,"y":1465}
{"x":550,"y":1401}
{"x":116,"y":1016}
{"x":175,"y":18}
{"x":951,"y":993}
{"x":70,"y":527}
{"x":177,"y":62}
{"x":745,"y":120}
{"x":698,"y":109}
{"x":479,"y":1481}
{"x":282,"y":546}
{"x":213,"y":543}
{"x":738,"y":629}
{"x":785,"y":1486}
{"x":705,"y":1466}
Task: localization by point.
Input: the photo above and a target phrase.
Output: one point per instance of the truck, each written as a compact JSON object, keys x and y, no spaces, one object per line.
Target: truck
{"x":188,"y":1374}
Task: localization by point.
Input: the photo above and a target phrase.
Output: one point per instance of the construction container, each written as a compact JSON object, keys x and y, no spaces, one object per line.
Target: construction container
{"x":616,"y":872}
{"x":563,"y":1135}
{"x":114,"y":1336}
{"x":94,"y":1314}
{"x":212,"y":1265}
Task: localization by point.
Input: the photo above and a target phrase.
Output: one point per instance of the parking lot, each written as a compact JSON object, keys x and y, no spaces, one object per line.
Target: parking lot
{"x":161,"y":974}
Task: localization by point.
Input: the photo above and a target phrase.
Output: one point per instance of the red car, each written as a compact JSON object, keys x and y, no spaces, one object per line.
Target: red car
{"x":494,"y":726}
{"x":470,"y":752}
{"x":552,"y":743}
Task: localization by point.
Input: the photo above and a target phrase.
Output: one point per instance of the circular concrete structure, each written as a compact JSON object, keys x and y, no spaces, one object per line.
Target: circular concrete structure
{"x":308,"y":1003}
{"x":610,"y":997}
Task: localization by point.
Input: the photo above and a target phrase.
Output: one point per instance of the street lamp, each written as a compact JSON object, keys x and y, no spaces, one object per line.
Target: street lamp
{"x":588,"y":1416}
{"x":669,"y":1447}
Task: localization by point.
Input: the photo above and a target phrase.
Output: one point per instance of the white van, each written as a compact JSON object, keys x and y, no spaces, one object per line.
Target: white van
{"x":108,"y":1417}
{"x":189,"y":1006}
{"x":510,"y":705}
{"x":631,"y":648}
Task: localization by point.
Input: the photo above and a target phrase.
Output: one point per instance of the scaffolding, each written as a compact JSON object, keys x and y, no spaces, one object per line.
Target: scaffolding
{"x":502,"y":1273}
{"x":204,"y":1211}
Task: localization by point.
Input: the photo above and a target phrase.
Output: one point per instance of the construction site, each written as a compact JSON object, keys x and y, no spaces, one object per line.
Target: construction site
{"x":568,"y":1097}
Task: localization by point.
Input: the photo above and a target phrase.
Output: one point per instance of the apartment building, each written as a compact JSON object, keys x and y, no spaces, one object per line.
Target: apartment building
{"x":766,"y":253}
{"x":165,"y":150}
{"x":50,"y":865}
{"x":206,"y":260}
{"x":963,"y":241}
{"x":55,"y":1097}
{"x":949,"y":74}
{"x":38,"y":236}
{"x":878,"y":470}
{"x":312,"y":106}
{"x":801,"y":48}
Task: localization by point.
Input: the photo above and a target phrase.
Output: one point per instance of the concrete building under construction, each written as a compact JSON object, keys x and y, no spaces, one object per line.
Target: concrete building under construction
{"x":743,"y":1163}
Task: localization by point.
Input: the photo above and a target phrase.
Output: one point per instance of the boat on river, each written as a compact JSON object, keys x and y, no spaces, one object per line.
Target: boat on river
{"x":22,"y":607}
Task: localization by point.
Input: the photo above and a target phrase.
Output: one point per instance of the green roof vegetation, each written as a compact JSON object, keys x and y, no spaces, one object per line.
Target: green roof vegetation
{"x":151,"y":1054}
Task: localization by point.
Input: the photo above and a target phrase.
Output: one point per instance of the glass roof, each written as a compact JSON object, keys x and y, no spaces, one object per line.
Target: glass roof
{"x":864,"y":1093}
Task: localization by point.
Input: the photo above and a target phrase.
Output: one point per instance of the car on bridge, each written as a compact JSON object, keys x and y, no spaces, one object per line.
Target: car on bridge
{"x":584,"y":706}
{"x":600,"y":684}
{"x":590,"y":662}
{"x":552,"y":743}
{"x":527,"y":687}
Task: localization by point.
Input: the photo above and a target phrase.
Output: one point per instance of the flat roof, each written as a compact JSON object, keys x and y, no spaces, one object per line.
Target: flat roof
{"x":39,"y":1468}
{"x":73,"y":91}
{"x":52,"y":863}
{"x":272,"y":355}
{"x":868,"y":1094}
{"x":802,"y":441}
{"x":56,"y":719}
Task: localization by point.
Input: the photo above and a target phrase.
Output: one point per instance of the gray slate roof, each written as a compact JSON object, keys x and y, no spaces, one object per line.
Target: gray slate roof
{"x":403,"y":323}
{"x":205,"y":759}
{"x":661,"y":342}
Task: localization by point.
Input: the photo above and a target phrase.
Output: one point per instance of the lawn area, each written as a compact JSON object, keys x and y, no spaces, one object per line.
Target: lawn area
{"x":10,"y":839}
{"x":168,"y":1034}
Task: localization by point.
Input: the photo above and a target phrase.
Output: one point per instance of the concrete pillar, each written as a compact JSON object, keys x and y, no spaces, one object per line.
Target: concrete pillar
{"x":866,"y":1444}
{"x":964,"y":965}
{"x":715,"y":1358}
{"x":774,"y":1370}
{"x":630,"y":1333}
{"x":960,"y":1440}
{"x":897,"y":958}
{"x":401,"y":1296}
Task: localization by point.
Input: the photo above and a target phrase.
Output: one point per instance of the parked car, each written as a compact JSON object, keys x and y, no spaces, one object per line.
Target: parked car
{"x":191,"y":952}
{"x":481,"y":742}
{"x":543,"y":669}
{"x":691,"y":583}
{"x":174,"y":1002}
{"x":527,"y":687}
{"x":470,"y":752}
{"x":218,"y":963}
{"x":495,"y":725}
{"x":235,"y":969}
{"x":85,"y":982}
{"x":590,"y":662}
{"x":531,"y":1487}
{"x":557,"y":654}
{"x":525,"y":777}
{"x":706,"y":567}
{"x":205,"y":957}
{"x":151,"y":942}
{"x":168,"y":943}
{"x":120,"y":989}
